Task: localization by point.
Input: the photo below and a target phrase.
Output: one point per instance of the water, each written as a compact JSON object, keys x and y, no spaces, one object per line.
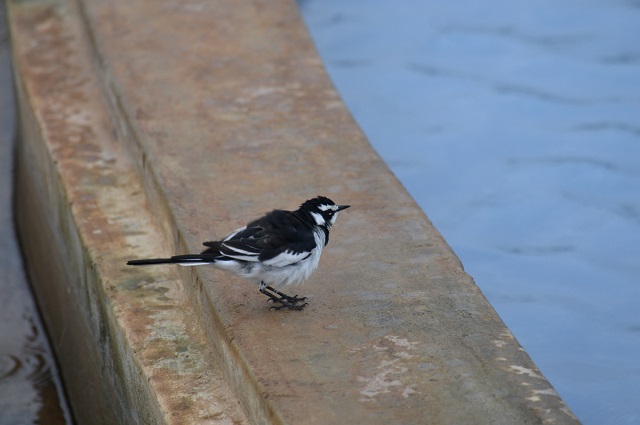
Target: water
{"x":30,"y":390}
{"x":516,"y":127}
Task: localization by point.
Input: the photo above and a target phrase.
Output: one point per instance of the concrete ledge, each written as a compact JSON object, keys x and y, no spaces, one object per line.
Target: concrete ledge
{"x":130,"y":350}
{"x":148,"y":127}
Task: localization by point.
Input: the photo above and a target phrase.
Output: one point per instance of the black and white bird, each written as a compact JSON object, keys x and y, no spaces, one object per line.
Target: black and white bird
{"x":279,"y":249}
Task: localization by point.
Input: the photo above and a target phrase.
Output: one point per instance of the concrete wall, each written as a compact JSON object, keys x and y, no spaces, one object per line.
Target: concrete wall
{"x":148,"y":127}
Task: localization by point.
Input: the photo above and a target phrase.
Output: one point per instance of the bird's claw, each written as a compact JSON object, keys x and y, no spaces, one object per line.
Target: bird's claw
{"x":288,"y":305}
{"x":294,"y":299}
{"x":284,"y":300}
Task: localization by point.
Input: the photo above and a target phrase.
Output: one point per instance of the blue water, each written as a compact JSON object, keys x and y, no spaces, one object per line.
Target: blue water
{"x":516,"y":127}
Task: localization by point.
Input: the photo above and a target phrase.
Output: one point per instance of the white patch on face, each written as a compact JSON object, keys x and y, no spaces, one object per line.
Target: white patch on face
{"x":325,"y":207}
{"x":333,"y":219}
{"x":318,"y":218}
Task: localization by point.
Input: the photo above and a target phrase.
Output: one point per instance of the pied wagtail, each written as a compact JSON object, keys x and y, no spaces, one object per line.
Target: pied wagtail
{"x":281,"y":248}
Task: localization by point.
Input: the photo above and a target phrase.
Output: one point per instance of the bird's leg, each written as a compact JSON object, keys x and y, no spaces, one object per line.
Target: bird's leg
{"x":284,"y":300}
{"x":294,"y":299}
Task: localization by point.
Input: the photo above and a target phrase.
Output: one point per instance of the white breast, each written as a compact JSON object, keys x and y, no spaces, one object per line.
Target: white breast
{"x":295,"y":273}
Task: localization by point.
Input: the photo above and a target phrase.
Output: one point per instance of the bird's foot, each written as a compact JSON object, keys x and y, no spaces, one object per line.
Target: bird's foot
{"x":294,"y":299}
{"x":288,"y":305}
{"x":284,"y":300}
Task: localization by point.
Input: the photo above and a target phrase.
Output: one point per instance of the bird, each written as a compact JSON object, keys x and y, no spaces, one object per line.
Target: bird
{"x":281,"y":248}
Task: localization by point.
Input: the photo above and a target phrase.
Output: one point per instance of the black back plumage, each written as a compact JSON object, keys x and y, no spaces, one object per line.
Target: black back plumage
{"x":268,"y":237}
{"x":280,"y":238}
{"x":280,"y":248}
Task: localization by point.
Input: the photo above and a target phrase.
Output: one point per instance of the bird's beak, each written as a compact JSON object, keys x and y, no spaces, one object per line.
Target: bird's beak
{"x":342,"y":207}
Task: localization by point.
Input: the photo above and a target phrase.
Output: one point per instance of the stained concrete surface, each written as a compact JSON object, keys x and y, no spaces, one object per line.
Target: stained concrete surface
{"x":129,"y":350}
{"x":180,"y":121}
{"x":30,"y":390}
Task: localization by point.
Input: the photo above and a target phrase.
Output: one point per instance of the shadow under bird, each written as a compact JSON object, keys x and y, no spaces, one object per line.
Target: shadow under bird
{"x":279,"y":249}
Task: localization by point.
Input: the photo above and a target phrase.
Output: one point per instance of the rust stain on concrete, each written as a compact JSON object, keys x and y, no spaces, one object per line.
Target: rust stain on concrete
{"x":128,"y":350}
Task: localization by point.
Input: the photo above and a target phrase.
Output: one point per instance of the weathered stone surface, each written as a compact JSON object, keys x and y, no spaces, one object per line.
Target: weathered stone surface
{"x":129,"y":349}
{"x":219,"y":111}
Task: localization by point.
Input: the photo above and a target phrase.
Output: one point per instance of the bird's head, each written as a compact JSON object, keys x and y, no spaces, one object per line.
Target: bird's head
{"x":323,"y":210}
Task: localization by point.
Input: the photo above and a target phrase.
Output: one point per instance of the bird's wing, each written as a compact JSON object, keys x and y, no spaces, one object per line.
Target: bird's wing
{"x":288,"y":239}
{"x":278,"y":239}
{"x":286,"y":258}
{"x":238,"y":245}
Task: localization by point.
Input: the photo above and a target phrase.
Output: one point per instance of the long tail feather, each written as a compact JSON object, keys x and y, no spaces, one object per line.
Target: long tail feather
{"x":183,"y":260}
{"x":149,"y":261}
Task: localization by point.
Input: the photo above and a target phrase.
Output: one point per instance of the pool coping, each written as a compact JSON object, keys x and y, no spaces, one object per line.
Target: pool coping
{"x":149,"y":127}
